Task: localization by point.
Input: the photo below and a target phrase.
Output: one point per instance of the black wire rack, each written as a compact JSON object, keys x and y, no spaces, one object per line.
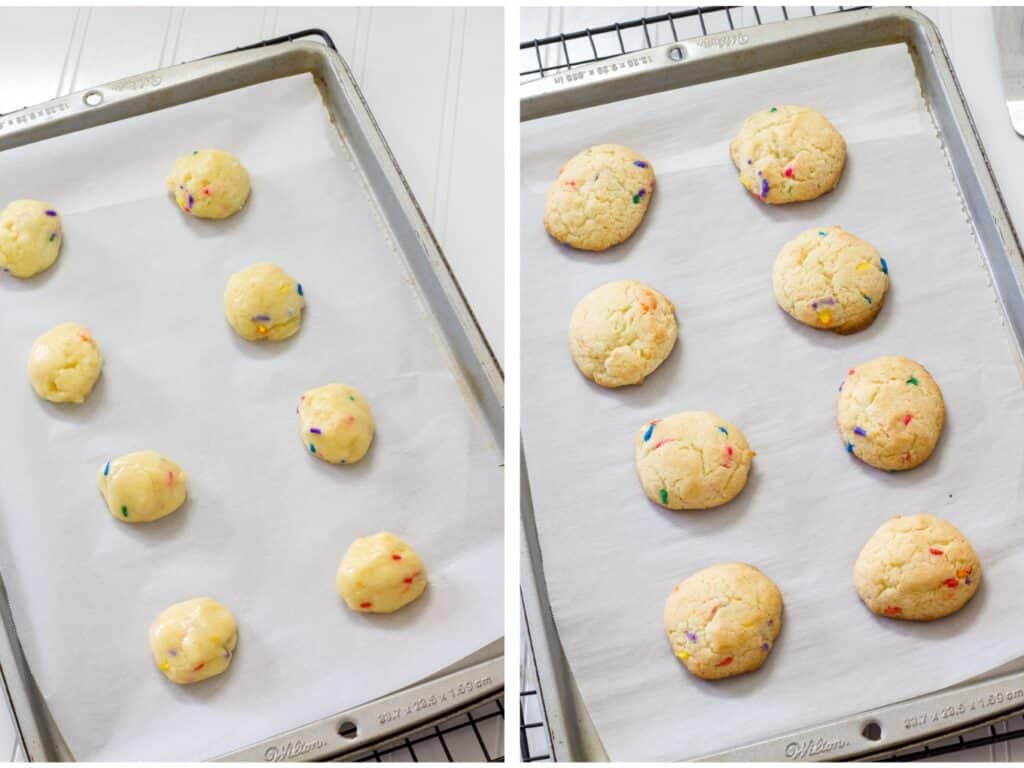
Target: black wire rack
{"x":561,"y":51}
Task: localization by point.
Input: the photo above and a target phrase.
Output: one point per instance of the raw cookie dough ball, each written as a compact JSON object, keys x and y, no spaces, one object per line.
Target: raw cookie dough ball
{"x":193,"y":640}
{"x":890,"y":413}
{"x":335,"y":423}
{"x":380,"y":574}
{"x":64,"y":364}
{"x":209,"y":183}
{"x":599,"y":198}
{"x":830,"y":279}
{"x":30,"y":237}
{"x":143,"y":486}
{"x":264,"y":302}
{"x":692,"y":460}
{"x":788,"y":154}
{"x":620,"y":332}
{"x":722,"y":621}
{"x":917,"y":568}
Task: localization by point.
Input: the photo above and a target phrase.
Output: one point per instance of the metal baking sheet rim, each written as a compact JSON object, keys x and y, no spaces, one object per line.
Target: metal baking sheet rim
{"x":468,"y":682}
{"x":887,"y":730}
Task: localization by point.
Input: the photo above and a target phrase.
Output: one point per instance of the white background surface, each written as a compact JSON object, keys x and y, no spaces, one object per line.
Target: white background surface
{"x":445,"y":129}
{"x":968,"y":35}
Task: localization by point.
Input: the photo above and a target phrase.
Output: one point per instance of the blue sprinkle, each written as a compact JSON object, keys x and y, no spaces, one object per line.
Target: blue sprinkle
{"x":312,"y":448}
{"x":823,"y":234}
{"x":885,"y":268}
{"x":840,"y":387}
{"x":860,"y":431}
{"x":764,"y":646}
{"x":849,"y":447}
{"x":649,"y":432}
{"x":639,"y":163}
{"x":51,"y":213}
{"x":867,"y":298}
{"x":191,"y":201}
{"x":106,"y":469}
{"x":300,"y":288}
{"x":764,"y":188}
{"x":723,"y":430}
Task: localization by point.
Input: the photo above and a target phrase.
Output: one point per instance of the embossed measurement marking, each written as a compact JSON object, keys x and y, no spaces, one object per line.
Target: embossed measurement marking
{"x":424,"y":703}
{"x":963,"y":708}
{"x":24,"y":118}
{"x":603,"y":70}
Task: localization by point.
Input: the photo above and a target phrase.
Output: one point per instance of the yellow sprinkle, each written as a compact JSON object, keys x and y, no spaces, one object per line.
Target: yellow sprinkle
{"x":862,"y":266}
{"x":682,"y":655}
{"x":284,"y":289}
{"x":824,"y":317}
{"x":744,"y":182}
{"x":261,"y":329}
{"x":165,"y":666}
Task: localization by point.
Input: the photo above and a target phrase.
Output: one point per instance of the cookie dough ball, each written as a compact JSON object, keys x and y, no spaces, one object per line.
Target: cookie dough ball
{"x":65,"y":363}
{"x":890,"y":413}
{"x":692,"y":460}
{"x":599,"y":198}
{"x":830,"y":279}
{"x":209,"y":183}
{"x":30,"y":237}
{"x":143,"y":486}
{"x":917,"y":568}
{"x":788,"y":154}
{"x":722,"y":621}
{"x":380,"y":574}
{"x":264,"y":302}
{"x":193,"y":640}
{"x":620,"y":332}
{"x":335,"y":423}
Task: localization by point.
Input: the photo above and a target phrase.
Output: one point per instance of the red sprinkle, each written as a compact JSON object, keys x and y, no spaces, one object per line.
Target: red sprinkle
{"x":724,"y":662}
{"x":850,"y":373}
{"x":713,"y":612}
{"x":951,"y":583}
{"x":408,"y":580}
{"x":170,"y":478}
{"x":788,"y":173}
{"x":935,"y":551}
{"x":206,"y":191}
{"x":365,"y":605}
{"x":892,"y":610}
{"x":196,"y":669}
{"x":906,"y":419}
{"x":396,"y":556}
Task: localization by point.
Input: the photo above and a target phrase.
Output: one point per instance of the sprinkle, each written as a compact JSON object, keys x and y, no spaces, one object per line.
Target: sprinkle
{"x":170,"y":478}
{"x":408,"y":580}
{"x":951,"y":583}
{"x":849,"y":447}
{"x":860,"y":431}
{"x":771,"y":622}
{"x":261,"y":318}
{"x":53,"y":237}
{"x":660,"y":443}
{"x":788,"y":173}
{"x":822,"y":234}
{"x":750,"y":162}
{"x":764,"y":646}
{"x":106,"y":469}
{"x":963,"y":573}
{"x":312,"y":448}
{"x":649,"y":431}
{"x":764,"y":188}
{"x":682,"y":655}
{"x":867,"y":298}
{"x":299,"y":286}
{"x":199,"y":666}
{"x":206,"y":191}
{"x":641,"y":193}
{"x":352,"y":398}
{"x":191,"y":200}
{"x":912,"y":380}
{"x":774,"y":109}
{"x":165,"y":666}
{"x":664,"y":496}
{"x":639,"y":163}
{"x":315,"y":431}
{"x":724,"y":431}
{"x":636,"y":199}
{"x":850,"y":372}
{"x":724,"y":662}
{"x":195,"y":151}
{"x":692,"y":637}
{"x":51,"y":213}
{"x":261,"y":329}
{"x":885,"y":267}
{"x":935,"y":550}
{"x":841,"y":386}
{"x":863,"y":266}
{"x":892,"y":610}
{"x":967,"y":580}
{"x":824,"y":317}
{"x":124,"y":511}
{"x":396,"y":556}
{"x":365,"y":605}
{"x":906,"y":419}
{"x":713,"y":612}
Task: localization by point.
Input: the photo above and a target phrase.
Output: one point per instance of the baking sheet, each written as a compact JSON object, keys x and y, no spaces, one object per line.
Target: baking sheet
{"x":611,"y":557}
{"x":265,"y":525}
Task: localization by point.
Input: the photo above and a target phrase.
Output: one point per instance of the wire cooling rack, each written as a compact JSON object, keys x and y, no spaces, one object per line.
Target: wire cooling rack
{"x":560,"y":52}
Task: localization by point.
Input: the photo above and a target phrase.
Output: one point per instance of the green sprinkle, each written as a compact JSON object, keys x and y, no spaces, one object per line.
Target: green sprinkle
{"x":774,"y":109}
{"x":124,"y":511}
{"x":350,"y":397}
{"x":912,"y":380}
{"x":636,"y":199}
{"x":195,"y":151}
{"x":312,"y":448}
{"x":664,"y":496}
{"x":822,"y":233}
{"x":867,"y":298}
{"x":342,"y":461}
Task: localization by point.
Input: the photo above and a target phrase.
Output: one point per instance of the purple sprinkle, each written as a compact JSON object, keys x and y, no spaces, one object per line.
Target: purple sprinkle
{"x":641,"y":193}
{"x":764,"y":646}
{"x":967,"y":580}
{"x":51,"y":213}
{"x":841,"y":387}
{"x":191,"y":200}
{"x":172,"y":652}
{"x":261,"y":318}
{"x":315,"y":430}
{"x":639,"y":163}
{"x":860,"y":431}
{"x":692,"y":636}
{"x":750,"y":162}
{"x":764,"y":188}
{"x":814,"y":305}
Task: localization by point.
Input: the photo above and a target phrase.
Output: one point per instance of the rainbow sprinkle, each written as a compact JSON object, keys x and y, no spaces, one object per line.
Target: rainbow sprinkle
{"x":639,"y":163}
{"x":764,"y":646}
{"x":312,"y":448}
{"x":664,"y":496}
{"x":261,"y":318}
{"x":51,"y":213}
{"x":315,"y":430}
{"x":774,"y":109}
{"x":299,"y":287}
{"x":764,"y":188}
{"x":106,"y":469}
{"x":636,"y":197}
{"x":723,"y":430}
{"x":649,"y":432}
{"x":53,"y":237}
{"x":692,"y":637}
{"x":867,"y":298}
{"x":849,"y":447}
{"x":912,"y":380}
{"x":885,"y":267}
{"x":823,"y":234}
{"x":860,"y":431}
{"x":124,"y":511}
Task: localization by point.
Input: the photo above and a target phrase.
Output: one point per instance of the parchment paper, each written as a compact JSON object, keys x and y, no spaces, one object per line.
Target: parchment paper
{"x":611,"y":557}
{"x":265,"y":525}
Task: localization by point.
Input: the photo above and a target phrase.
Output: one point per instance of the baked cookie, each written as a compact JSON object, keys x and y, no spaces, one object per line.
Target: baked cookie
{"x":830,"y":279}
{"x":209,"y":183}
{"x":193,"y":640}
{"x":335,"y":423}
{"x":723,"y":621}
{"x":264,"y":302}
{"x":143,"y":486}
{"x":64,"y":364}
{"x":380,"y":574}
{"x":30,"y":237}
{"x":599,"y":198}
{"x":890,"y":413}
{"x":917,"y":568}
{"x":620,"y":332}
{"x":692,"y":460}
{"x":788,"y":154}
